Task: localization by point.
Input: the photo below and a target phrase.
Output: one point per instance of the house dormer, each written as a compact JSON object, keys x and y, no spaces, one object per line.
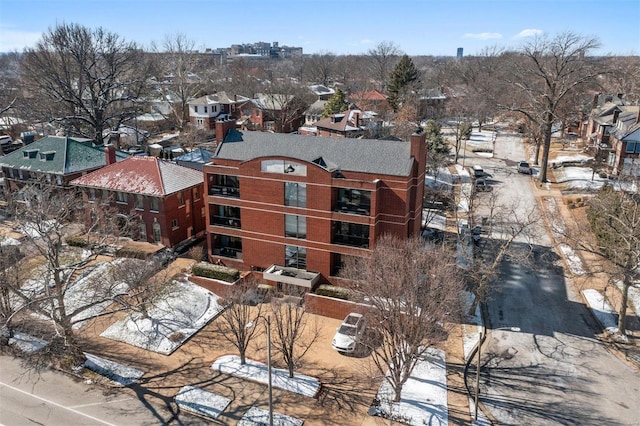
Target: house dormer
{"x":47,"y":155}
{"x":30,"y":153}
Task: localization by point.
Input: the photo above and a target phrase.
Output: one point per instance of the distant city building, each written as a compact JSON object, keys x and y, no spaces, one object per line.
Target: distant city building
{"x":459,"y":54}
{"x":263,"y":49}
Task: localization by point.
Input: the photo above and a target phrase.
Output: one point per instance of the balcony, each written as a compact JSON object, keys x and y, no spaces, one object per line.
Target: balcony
{"x":227,"y":221}
{"x":224,"y":191}
{"x":230,"y":252}
{"x":352,"y":240}
{"x":346,"y":207}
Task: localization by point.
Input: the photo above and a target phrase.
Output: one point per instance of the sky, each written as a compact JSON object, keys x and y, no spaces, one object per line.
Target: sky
{"x":416,"y":27}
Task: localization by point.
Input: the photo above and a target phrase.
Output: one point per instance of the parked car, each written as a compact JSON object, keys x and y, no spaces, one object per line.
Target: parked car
{"x":481,"y":185}
{"x":477,"y":171}
{"x":349,"y":334}
{"x":523,"y":167}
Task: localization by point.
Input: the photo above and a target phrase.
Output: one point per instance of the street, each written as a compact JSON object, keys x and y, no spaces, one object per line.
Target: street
{"x":28,"y":398}
{"x":553,"y":370}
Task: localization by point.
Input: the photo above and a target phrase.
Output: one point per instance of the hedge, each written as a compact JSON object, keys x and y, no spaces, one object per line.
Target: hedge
{"x":333,"y":291}
{"x":218,"y":272}
{"x":132,"y":253}
{"x":77,"y":241}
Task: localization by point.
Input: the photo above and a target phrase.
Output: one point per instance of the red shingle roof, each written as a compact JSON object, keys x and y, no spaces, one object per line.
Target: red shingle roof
{"x":142,"y":175}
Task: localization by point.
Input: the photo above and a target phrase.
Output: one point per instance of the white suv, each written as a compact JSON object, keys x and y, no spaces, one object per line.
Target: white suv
{"x":349,"y":334}
{"x":523,"y":167}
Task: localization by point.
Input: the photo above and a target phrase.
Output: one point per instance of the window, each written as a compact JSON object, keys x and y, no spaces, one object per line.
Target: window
{"x":47,"y":177}
{"x":223,"y":185}
{"x":92,"y":193}
{"x":350,"y":234}
{"x":154,"y":204}
{"x":20,"y":174}
{"x":157,"y":235}
{"x":105,"y":196}
{"x":139,"y":202}
{"x":174,"y":224}
{"x":122,"y":197}
{"x":295,"y":257}
{"x":196,"y":193}
{"x":227,"y":246}
{"x":143,"y":231}
{"x":180,"y":199}
{"x":295,"y":226}
{"x":338,"y":261}
{"x":195,"y":108}
{"x":225,"y":216}
{"x":59,"y":180}
{"x":11,"y":173}
{"x":630,"y":147}
{"x":205,"y":110}
{"x":295,"y":194}
{"x":356,"y":201}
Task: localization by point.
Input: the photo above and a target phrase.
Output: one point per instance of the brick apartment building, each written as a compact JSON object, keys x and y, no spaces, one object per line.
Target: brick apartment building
{"x":164,"y":200}
{"x":296,"y":206}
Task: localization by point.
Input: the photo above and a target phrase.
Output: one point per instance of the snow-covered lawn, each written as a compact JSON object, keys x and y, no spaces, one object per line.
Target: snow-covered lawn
{"x":602,"y":310}
{"x":201,"y":402}
{"x":424,"y":395}
{"x":27,"y":343}
{"x":258,"y":372}
{"x":32,"y":230}
{"x":171,"y":319}
{"x":257,"y":416}
{"x":116,"y":372}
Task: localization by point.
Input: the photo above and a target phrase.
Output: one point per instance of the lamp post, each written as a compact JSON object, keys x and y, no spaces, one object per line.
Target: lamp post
{"x":269,"y":383}
{"x":483,"y":336}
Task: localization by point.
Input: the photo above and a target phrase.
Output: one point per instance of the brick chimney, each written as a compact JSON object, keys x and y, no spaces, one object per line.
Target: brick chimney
{"x":110,"y":154}
{"x":222,"y":128}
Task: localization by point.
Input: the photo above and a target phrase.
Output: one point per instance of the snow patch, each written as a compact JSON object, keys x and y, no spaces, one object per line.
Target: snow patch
{"x":201,"y":402}
{"x":116,"y":372}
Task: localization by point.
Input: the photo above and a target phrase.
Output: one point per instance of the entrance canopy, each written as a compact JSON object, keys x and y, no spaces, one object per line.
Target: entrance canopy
{"x":293,"y":276}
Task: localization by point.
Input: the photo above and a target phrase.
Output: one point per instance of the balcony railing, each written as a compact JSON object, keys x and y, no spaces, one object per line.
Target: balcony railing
{"x":229,"y":252}
{"x":224,"y":191}
{"x":351,"y":240}
{"x":361,"y":209}
{"x":228,"y":221}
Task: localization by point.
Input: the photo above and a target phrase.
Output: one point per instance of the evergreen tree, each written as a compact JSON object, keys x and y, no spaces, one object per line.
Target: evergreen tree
{"x":335,"y":104}
{"x":403,"y":77}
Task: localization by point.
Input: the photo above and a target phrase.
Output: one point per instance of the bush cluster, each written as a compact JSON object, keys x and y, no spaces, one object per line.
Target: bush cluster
{"x":77,"y":241}
{"x":131,"y":252}
{"x":333,"y":291}
{"x":218,"y":272}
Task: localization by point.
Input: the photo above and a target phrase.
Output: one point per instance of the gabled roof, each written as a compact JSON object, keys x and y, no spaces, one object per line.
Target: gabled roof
{"x":342,"y":122}
{"x":369,"y":95}
{"x":142,"y":175}
{"x":58,"y":155}
{"x":198,"y":155}
{"x":316,"y":107}
{"x":218,"y":98}
{"x":272,"y":101}
{"x":374,"y":156}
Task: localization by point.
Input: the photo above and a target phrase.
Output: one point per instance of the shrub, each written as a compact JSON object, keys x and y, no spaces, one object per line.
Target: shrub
{"x":77,"y":241}
{"x":218,"y":272}
{"x":131,"y":252}
{"x":333,"y":291}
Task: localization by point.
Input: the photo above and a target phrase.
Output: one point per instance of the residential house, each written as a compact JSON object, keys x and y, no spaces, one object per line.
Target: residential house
{"x":279,"y":113}
{"x":347,"y":124}
{"x":322,"y":92}
{"x":431,"y":104}
{"x":295,"y":207}
{"x":205,"y":110}
{"x":55,"y":160}
{"x":372,"y":100}
{"x":165,"y":199}
{"x":313,"y":114}
{"x":624,"y":138}
{"x":606,"y":109}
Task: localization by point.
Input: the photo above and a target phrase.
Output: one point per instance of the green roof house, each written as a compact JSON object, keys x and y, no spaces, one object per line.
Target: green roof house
{"x":55,"y":160}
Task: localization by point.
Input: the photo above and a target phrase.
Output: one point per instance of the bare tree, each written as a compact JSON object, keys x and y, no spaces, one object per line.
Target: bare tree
{"x":318,"y":68}
{"x":614,"y":216}
{"x":46,"y":217}
{"x":294,"y":332}
{"x":181,"y":78}
{"x":383,"y":59}
{"x":237,"y":322}
{"x":87,"y":80}
{"x":543,"y":74}
{"x":413,"y":291}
